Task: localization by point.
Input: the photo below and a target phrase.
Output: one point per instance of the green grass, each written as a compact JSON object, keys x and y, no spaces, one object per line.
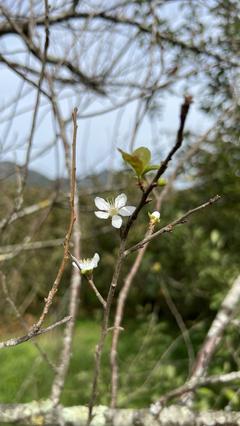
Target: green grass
{"x":25,"y":376}
{"x":152,"y":360}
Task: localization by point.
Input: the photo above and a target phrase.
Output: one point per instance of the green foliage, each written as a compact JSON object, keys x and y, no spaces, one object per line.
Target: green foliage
{"x":139,"y":160}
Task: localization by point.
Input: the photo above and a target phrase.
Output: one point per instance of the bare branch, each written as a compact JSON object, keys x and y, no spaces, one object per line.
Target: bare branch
{"x":162,"y":168}
{"x":32,"y":333}
{"x":170,"y":227}
{"x":54,"y":289}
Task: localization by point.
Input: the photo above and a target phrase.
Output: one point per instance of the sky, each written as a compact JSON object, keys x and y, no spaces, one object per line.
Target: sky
{"x":98,"y":137}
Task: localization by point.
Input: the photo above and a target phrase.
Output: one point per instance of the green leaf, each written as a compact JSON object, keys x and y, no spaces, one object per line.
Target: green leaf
{"x":143,"y":154}
{"x":139,"y":160}
{"x":150,"y":168}
{"x":134,"y":161}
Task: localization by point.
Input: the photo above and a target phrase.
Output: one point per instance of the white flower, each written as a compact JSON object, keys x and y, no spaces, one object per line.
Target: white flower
{"x":113,"y":209}
{"x":154,"y":217}
{"x":86,"y":265}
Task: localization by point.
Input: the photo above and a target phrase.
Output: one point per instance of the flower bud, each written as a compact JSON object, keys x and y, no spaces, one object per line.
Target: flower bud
{"x":154,"y":217}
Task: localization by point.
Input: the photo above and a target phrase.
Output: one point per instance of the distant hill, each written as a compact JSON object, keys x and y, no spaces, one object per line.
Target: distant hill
{"x":8,"y":173}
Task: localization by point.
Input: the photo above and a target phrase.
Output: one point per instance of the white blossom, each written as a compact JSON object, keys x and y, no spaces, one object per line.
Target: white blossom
{"x":114,"y":209}
{"x":155,"y":217}
{"x":86,"y":265}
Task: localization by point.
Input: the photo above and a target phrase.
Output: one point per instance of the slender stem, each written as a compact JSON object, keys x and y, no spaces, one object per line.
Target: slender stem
{"x":65,"y":354}
{"x":24,"y":324}
{"x":104,"y":330}
{"x":119,"y":316}
{"x":100,"y":298}
{"x":32,"y":333}
{"x":163,"y":166}
{"x":54,"y":289}
{"x":169,"y":228}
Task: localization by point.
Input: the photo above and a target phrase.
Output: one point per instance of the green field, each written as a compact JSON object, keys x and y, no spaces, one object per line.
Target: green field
{"x":149,"y":358}
{"x":152,"y":355}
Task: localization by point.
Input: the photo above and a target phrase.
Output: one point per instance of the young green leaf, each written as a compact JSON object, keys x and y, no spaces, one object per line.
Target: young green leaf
{"x":150,"y":168}
{"x":134,"y":161}
{"x":139,"y":160}
{"x":143,"y":154}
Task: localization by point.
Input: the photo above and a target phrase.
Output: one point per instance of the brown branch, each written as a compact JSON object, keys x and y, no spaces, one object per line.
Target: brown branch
{"x":170,"y":227}
{"x":24,"y":324}
{"x":119,"y":316}
{"x":65,"y":354}
{"x":54,"y":289}
{"x":179,"y":139}
{"x":104,"y":330}
{"x":94,"y":288}
{"x":122,"y":20}
{"x":14,"y":67}
{"x":32,"y":333}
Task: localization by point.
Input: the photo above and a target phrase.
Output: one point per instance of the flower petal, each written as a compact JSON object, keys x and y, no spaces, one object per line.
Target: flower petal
{"x":95,"y":260}
{"x":126,"y":211}
{"x":120,"y":201}
{"x":101,"y":204}
{"x":102,"y":215}
{"x":83,"y":264}
{"x":156,"y":215}
{"x":116,"y":221}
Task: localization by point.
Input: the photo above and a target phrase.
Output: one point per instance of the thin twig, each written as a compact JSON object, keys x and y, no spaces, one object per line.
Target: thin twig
{"x":170,"y":227}
{"x":32,"y":333}
{"x":100,"y":298}
{"x":54,"y":289}
{"x":119,"y":316}
{"x":65,"y":354}
{"x":24,"y":324}
{"x":162,"y":168}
